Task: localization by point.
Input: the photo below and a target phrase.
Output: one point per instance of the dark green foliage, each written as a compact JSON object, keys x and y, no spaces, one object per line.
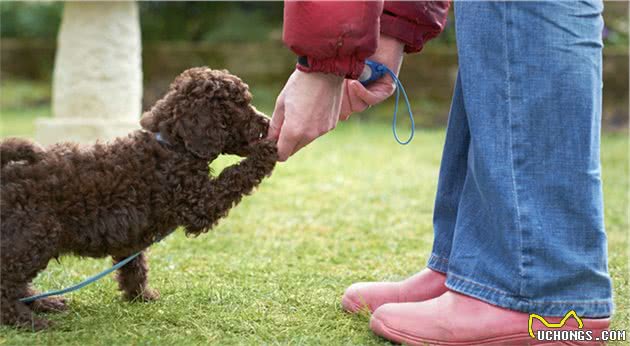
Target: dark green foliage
{"x":225,"y":21}
{"x":29,"y":19}
{"x":160,"y":21}
{"x":209,"y":21}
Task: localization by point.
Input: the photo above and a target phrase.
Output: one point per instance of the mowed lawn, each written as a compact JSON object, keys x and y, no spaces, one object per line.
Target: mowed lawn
{"x":353,"y":206}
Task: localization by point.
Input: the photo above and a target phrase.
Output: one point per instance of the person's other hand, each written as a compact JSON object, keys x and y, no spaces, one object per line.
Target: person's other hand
{"x":356,"y":97}
{"x":306,"y":108}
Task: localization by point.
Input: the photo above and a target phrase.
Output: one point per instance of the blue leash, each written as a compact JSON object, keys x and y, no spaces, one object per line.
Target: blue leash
{"x":82,"y":283}
{"x":89,"y":280}
{"x":373,"y":71}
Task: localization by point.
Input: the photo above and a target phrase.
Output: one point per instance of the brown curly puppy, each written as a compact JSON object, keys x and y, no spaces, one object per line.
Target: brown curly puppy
{"x":118,"y":198}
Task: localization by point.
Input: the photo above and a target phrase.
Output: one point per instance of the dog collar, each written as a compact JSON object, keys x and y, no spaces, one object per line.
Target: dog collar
{"x":160,"y":139}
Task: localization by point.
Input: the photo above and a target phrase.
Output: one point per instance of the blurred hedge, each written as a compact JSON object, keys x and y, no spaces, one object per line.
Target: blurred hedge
{"x":244,"y":37}
{"x":225,"y":21}
{"x":160,"y":21}
{"x":428,"y":77}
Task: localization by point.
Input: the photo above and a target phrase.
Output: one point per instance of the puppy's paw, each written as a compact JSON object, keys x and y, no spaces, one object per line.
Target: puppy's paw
{"x":50,"y":304}
{"x":34,"y":324}
{"x":40,"y":324}
{"x":266,"y":149}
{"x":147,"y":295}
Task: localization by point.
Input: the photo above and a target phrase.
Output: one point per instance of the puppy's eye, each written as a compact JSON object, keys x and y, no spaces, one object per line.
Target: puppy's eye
{"x":260,"y":135}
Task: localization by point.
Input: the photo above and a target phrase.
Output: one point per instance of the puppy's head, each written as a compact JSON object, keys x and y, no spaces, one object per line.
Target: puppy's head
{"x":208,"y":113}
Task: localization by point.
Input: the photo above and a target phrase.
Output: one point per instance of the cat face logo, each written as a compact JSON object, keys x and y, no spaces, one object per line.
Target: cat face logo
{"x":553,"y":325}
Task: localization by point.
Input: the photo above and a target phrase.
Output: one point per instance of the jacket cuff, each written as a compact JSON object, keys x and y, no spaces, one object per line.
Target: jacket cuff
{"x":347,"y":66}
{"x":411,"y":34}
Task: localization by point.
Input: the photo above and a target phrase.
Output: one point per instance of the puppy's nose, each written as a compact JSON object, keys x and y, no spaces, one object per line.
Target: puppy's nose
{"x":266,"y":123}
{"x":263,"y":123}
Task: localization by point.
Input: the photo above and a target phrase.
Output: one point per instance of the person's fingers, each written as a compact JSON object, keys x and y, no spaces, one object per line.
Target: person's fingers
{"x":307,"y":136}
{"x":347,"y":106}
{"x":292,"y":139}
{"x":308,"y":106}
{"x":354,"y":101}
{"x":374,"y":94}
{"x":357,"y":98}
{"x":277,"y":119}
{"x":287,"y":142}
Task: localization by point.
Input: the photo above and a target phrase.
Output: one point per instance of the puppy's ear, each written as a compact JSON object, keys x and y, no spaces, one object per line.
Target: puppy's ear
{"x":153,"y":120}
{"x":149,"y":122}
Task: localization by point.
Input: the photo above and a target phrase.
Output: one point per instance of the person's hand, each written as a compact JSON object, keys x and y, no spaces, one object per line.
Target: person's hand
{"x":356,"y":97}
{"x":306,"y":108}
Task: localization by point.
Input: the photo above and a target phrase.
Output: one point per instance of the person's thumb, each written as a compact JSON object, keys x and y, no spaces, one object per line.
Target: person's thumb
{"x":374,"y":94}
{"x":277,"y":119}
{"x":348,"y":102}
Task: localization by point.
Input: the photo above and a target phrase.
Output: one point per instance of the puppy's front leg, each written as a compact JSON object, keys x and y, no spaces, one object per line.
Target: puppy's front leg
{"x":133,"y":279}
{"x":226,"y":190}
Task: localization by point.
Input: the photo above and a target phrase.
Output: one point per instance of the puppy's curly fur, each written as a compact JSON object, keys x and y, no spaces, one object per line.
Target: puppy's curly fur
{"x":118,"y":198}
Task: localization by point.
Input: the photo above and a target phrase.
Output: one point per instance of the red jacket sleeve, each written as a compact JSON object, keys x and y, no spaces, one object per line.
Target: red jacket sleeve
{"x":414,"y":22}
{"x":335,"y":36}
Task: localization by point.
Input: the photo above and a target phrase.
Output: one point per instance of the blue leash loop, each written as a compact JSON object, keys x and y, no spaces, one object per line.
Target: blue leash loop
{"x":373,"y":71}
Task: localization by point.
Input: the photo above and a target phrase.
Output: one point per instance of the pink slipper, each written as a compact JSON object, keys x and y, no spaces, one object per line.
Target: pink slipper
{"x":455,"y":319}
{"x":426,"y":284}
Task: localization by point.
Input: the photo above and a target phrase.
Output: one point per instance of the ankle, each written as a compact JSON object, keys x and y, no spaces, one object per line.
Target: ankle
{"x":427,"y":284}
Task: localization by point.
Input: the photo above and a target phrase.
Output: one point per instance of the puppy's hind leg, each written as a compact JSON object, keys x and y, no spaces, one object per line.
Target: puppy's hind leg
{"x":22,"y":257}
{"x":133,"y":279}
{"x":15,"y":313}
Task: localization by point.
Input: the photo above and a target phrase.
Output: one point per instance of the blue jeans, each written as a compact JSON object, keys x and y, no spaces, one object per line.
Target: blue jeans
{"x":519,"y":213}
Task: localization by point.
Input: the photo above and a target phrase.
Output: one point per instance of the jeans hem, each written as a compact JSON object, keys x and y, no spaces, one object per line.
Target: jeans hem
{"x":583,"y":308}
{"x":438,"y":263}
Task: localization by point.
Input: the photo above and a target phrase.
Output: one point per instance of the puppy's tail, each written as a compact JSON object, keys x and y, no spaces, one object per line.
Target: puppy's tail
{"x":18,"y":149}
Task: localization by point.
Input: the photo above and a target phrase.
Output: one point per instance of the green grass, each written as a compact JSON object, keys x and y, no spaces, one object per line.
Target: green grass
{"x":20,"y":123}
{"x":353,"y":206}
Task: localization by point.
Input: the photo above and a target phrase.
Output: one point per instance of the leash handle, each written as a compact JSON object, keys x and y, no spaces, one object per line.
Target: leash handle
{"x":373,"y":71}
